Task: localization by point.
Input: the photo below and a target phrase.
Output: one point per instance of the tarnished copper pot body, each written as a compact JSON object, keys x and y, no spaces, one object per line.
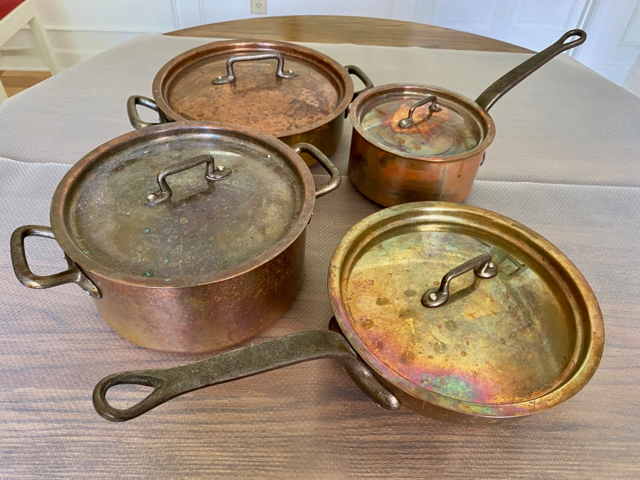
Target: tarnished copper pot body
{"x":206,"y":317}
{"x":390,"y":178}
{"x":204,"y":265}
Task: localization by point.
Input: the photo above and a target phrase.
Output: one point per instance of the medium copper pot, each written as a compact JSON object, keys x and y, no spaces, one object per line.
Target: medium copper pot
{"x":189,"y":236}
{"x":418,"y":142}
{"x":289,"y":91}
{"x":453,"y":311}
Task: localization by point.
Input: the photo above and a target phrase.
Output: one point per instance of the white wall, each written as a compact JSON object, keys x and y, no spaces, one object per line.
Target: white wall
{"x":79,"y":29}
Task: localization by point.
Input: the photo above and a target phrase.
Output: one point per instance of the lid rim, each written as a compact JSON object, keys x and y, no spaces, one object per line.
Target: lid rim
{"x":593,"y":330}
{"x":69,"y":246}
{"x":359,"y":104}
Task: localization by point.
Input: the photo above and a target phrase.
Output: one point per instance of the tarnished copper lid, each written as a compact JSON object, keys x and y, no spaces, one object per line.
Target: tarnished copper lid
{"x":276,"y":87}
{"x":522,"y":331}
{"x":182,"y":204}
{"x":419,"y":121}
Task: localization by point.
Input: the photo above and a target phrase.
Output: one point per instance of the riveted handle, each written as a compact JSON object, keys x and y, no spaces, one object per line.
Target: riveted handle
{"x":433,"y":107}
{"x":482,"y":266}
{"x":241,"y":363}
{"x":30,"y":279}
{"x":164,"y":192}
{"x":334,"y":181}
{"x":231,"y":75}
{"x":132,"y":111}
{"x":364,"y":78}
{"x":505,"y":83}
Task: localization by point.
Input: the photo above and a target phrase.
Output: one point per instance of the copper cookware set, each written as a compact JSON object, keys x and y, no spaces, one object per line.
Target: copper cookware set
{"x":189,"y":234}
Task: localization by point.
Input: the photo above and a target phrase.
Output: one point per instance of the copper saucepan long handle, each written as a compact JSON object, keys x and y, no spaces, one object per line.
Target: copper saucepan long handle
{"x":505,"y":83}
{"x":132,"y":111}
{"x":241,"y":363}
{"x":334,"y":181}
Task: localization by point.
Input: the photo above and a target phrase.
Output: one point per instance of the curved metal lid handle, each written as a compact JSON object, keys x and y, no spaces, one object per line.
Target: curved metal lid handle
{"x":164,"y":192}
{"x":482,"y":266}
{"x":231,"y":75}
{"x":434,"y":107}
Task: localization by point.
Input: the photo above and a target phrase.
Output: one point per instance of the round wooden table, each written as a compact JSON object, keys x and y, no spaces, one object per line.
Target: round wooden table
{"x":356,"y":30}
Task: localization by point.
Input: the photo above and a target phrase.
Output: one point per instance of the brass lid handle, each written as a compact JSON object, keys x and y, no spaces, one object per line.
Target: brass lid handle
{"x":231,"y":76}
{"x":482,"y":266}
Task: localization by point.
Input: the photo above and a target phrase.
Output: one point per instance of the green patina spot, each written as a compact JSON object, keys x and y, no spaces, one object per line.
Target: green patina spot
{"x":148,"y":273}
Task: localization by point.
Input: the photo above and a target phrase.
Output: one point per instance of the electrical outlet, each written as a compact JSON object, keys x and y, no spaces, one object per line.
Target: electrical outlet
{"x":259,"y":6}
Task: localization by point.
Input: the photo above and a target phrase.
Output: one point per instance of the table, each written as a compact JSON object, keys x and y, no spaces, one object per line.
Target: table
{"x":356,"y":30}
{"x":309,"y":420}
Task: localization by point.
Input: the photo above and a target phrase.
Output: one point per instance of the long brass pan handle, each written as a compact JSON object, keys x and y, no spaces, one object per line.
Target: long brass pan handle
{"x":505,"y":83}
{"x":241,"y":363}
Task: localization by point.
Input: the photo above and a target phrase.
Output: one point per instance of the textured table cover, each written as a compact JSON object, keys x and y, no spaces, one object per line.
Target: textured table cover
{"x":563,"y":163}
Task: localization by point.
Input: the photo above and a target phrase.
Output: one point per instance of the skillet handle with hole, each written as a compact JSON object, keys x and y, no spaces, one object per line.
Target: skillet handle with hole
{"x":29,"y":279}
{"x":334,"y":181}
{"x":241,"y":363}
{"x":505,"y":83}
{"x":132,"y":111}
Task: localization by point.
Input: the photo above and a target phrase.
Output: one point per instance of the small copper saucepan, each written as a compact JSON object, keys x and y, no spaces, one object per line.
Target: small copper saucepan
{"x":418,"y":142}
{"x":524,"y":333}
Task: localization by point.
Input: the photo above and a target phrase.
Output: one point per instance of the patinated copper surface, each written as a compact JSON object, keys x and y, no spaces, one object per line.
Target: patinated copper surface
{"x":216,"y":263}
{"x":507,"y":346}
{"x":307,"y":108}
{"x":437,"y":159}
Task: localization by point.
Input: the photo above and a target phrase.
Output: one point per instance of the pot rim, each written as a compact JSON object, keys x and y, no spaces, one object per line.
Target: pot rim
{"x":572,"y":380}
{"x":487,"y":123}
{"x":89,"y":265}
{"x":175,"y":65}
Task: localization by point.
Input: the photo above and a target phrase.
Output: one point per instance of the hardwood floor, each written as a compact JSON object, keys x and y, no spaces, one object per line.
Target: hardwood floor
{"x":17,"y":81}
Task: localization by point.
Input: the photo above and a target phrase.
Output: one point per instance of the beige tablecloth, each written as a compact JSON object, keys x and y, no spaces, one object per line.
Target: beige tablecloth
{"x":563,"y":163}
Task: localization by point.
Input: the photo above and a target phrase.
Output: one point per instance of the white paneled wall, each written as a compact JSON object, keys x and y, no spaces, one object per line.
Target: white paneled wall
{"x":79,"y":29}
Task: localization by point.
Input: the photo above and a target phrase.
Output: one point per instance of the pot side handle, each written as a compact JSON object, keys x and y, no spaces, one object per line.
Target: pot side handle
{"x":335,"y":180}
{"x":132,"y":111}
{"x":505,"y":83}
{"x":364,"y":78}
{"x":30,"y":279}
{"x":241,"y":363}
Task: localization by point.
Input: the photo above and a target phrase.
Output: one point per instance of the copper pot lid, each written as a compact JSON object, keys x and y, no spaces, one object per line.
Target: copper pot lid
{"x":275,"y":87}
{"x":182,"y":204}
{"x":521,"y":335}
{"x":420,"y":122}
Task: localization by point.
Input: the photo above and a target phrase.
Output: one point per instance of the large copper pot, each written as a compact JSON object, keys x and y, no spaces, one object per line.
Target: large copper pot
{"x":292,"y":92}
{"x":417,"y":142}
{"x":519,"y":333}
{"x":189,"y":236}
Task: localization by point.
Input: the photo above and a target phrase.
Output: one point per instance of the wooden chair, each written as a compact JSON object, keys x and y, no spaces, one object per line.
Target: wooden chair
{"x":15,"y":14}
